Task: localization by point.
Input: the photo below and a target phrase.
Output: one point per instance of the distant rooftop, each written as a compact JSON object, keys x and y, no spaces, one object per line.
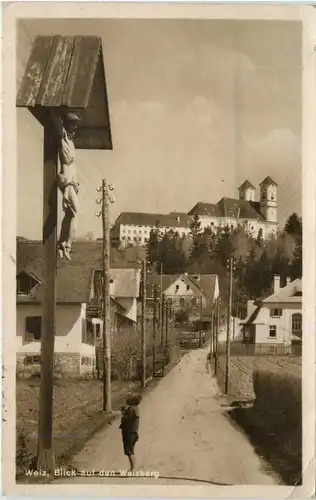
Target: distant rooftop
{"x":229,"y":207}
{"x":148,"y":219}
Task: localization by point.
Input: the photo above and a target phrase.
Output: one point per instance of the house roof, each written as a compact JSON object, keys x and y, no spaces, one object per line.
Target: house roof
{"x":246,"y":185}
{"x":229,"y":207}
{"x":268,"y":180}
{"x":205,"y":283}
{"x":201,"y":208}
{"x":125,"y":282}
{"x":289,"y":293}
{"x":68,"y":71}
{"x":147,"y":219}
{"x":74,"y":278}
{"x":251,"y":316}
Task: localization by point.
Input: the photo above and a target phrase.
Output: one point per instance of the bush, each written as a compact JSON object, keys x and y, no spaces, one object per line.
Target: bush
{"x":278,"y":418}
{"x":181,"y":316}
{"x":279,"y":395}
{"x":24,"y":457}
{"x":125,"y":352}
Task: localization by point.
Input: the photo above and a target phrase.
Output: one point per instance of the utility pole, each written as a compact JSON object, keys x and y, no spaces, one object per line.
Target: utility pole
{"x":167,"y":321}
{"x":161,"y":305}
{"x":201,"y":311}
{"x":154,"y":327}
{"x":229,"y":313}
{"x":216,"y":334}
{"x":212,"y":343}
{"x":144,"y":284}
{"x":107,"y":404}
{"x":162,"y":320}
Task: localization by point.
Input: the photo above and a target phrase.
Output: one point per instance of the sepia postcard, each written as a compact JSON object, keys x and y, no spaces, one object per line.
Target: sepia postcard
{"x":158,"y":236}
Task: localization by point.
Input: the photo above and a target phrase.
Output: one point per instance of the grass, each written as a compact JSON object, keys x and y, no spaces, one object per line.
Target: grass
{"x":274,"y":422}
{"x":78,"y":414}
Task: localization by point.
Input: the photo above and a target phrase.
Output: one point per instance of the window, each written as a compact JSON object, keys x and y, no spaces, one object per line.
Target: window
{"x":275,"y":313}
{"x":32,"y":360}
{"x":188,"y":288}
{"x":123,"y":238}
{"x":182,"y":302}
{"x":98,"y":331}
{"x":194,"y":301}
{"x":129,"y":238}
{"x":33,"y":328}
{"x":85,"y":361}
{"x":272,"y":331}
{"x":25,"y":283}
{"x":129,"y":231}
{"x":87,"y":336}
{"x":297,"y":324}
{"x":177,"y":288}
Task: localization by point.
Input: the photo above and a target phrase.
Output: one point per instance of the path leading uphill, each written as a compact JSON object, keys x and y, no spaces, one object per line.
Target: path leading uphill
{"x":183,"y":432}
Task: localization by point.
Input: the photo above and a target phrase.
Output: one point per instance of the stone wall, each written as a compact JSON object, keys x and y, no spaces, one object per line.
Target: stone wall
{"x":66,"y":365}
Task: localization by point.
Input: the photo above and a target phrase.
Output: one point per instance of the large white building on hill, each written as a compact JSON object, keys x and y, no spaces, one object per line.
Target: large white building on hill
{"x":258,"y":217}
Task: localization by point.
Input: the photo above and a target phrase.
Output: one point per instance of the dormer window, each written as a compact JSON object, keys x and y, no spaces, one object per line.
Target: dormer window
{"x":25,"y":283}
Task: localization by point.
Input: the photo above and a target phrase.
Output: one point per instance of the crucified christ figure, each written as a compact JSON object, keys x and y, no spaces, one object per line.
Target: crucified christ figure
{"x":67,"y":181}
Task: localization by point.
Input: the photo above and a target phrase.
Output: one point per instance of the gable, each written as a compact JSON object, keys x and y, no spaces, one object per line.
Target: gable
{"x":182,"y":286}
{"x":25,"y":283}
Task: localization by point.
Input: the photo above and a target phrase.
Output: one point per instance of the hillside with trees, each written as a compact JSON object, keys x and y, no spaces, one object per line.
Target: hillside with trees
{"x":206,"y":252}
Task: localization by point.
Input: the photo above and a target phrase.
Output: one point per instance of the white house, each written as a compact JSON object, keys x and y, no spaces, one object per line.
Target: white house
{"x":78,"y":324}
{"x":133,"y":228}
{"x":256,"y":216}
{"x":194,"y":293}
{"x":276,"y":320}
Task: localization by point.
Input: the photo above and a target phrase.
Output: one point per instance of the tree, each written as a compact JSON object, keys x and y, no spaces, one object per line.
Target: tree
{"x":152,"y":250}
{"x":293,"y":226}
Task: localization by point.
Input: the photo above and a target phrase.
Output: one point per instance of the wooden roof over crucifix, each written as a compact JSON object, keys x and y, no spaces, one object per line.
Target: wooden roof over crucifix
{"x":68,"y":72}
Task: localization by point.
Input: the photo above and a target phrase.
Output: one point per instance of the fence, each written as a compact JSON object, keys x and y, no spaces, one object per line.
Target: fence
{"x":243,"y":367}
{"x":126,"y":352}
{"x":241,"y":349}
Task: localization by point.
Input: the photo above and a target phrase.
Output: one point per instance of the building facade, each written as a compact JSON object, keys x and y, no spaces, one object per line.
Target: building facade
{"x":277,"y":320}
{"x":195,"y":294}
{"x":78,"y":308}
{"x":133,"y":228}
{"x":257,"y":217}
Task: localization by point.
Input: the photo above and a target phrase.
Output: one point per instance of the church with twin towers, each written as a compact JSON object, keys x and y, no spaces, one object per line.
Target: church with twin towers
{"x":258,"y":217}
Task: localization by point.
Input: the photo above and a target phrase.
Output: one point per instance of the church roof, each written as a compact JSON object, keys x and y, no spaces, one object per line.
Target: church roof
{"x":246,"y":185}
{"x":229,"y":207}
{"x":268,"y":180}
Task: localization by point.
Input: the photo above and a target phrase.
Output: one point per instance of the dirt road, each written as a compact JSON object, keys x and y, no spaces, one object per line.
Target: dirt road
{"x":183,"y":432}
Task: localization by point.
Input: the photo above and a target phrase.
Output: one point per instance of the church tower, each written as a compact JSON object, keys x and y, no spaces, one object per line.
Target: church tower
{"x":268,"y":200}
{"x":247,"y":191}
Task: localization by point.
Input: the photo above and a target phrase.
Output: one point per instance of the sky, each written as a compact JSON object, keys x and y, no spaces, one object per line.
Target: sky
{"x":196,"y":108}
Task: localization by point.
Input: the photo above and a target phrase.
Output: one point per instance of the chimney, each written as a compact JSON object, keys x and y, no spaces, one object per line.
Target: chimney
{"x":276,"y":283}
{"x":288,"y":280}
{"x":251,"y":306}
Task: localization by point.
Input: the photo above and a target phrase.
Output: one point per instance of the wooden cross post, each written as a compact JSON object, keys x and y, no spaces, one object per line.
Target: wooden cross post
{"x":143,"y":344}
{"x":62,"y":73}
{"x":45,"y":455}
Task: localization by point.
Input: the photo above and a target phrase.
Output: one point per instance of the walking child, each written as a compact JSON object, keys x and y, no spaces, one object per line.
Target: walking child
{"x":129,"y":427}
